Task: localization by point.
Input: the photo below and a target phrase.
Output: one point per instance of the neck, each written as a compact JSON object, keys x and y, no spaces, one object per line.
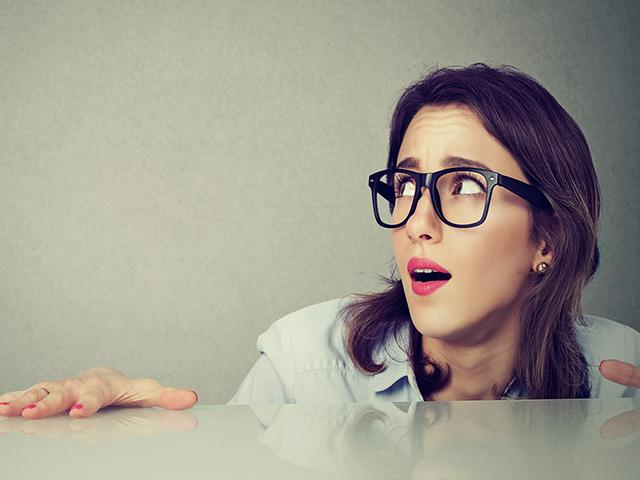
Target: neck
{"x":480,"y":371}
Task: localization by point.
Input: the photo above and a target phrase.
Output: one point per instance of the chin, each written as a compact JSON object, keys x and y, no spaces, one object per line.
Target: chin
{"x":432,"y":321}
{"x":442,"y":323}
{"x":444,"y":333}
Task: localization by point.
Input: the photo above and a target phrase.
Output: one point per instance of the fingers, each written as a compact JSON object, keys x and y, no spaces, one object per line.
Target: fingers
{"x":96,"y":392}
{"x":621,"y":372}
{"x":90,"y":394}
{"x":11,"y":396}
{"x":85,"y":395}
{"x":17,"y":403}
{"x":57,"y":401}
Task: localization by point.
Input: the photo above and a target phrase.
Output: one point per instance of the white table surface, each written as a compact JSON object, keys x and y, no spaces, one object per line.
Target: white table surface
{"x":550,"y":439}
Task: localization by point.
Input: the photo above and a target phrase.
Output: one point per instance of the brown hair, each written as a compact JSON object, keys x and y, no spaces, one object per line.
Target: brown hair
{"x":554,"y":156}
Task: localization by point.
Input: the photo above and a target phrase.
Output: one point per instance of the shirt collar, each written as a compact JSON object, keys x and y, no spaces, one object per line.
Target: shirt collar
{"x":395,"y":358}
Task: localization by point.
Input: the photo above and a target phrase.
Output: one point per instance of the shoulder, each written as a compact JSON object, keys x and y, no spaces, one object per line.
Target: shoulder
{"x":603,"y":338}
{"x":307,"y":352}
{"x":310,"y":337}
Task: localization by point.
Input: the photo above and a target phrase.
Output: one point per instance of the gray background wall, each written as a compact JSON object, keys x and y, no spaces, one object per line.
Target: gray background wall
{"x":174,"y":176}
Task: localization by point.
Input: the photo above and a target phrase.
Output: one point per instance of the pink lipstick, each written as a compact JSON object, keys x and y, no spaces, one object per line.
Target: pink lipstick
{"x":427,"y":276}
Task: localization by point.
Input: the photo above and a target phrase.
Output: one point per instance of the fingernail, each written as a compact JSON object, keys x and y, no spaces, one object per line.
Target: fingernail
{"x":31,"y":405}
{"x":78,"y":406}
{"x":196,"y":395}
{"x":4,"y":403}
{"x":600,"y":366}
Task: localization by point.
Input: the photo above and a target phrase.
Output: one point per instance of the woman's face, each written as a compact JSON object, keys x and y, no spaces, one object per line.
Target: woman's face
{"x":490,"y":263}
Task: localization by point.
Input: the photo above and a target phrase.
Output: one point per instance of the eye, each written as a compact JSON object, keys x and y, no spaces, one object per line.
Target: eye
{"x":404,"y":186}
{"x":466,"y":184}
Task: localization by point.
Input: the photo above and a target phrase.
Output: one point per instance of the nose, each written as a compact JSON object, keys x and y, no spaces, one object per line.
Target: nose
{"x":424,"y":223}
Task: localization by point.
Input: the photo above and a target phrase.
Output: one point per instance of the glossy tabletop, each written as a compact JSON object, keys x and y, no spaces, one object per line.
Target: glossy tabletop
{"x":550,"y":439}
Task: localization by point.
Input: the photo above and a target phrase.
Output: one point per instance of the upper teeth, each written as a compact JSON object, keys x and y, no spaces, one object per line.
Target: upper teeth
{"x":424,"y":270}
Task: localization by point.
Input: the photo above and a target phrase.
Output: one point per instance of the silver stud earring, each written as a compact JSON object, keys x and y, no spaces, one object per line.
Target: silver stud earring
{"x":542,"y":267}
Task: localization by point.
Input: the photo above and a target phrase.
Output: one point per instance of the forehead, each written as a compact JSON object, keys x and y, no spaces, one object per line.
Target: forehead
{"x":444,"y":136}
{"x":444,"y":117}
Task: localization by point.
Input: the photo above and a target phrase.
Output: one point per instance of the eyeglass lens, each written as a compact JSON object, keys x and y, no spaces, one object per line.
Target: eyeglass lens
{"x":462,"y":197}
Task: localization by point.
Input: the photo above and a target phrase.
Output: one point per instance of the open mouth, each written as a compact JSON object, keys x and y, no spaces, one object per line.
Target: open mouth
{"x":426,"y":275}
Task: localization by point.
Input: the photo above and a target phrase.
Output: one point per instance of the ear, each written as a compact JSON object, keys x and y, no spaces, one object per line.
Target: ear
{"x":543,"y":253}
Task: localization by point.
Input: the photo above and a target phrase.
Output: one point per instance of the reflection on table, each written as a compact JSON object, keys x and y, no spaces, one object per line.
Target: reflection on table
{"x":594,"y":438}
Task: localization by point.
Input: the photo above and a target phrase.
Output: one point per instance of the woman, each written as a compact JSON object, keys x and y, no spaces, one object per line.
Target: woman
{"x":493,"y":206}
{"x":508,"y":218}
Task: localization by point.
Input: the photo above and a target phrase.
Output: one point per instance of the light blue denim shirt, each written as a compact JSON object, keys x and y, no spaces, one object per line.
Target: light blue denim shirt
{"x":302,"y":360}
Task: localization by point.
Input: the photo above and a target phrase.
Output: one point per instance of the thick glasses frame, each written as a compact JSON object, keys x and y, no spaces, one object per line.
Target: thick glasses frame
{"x":528,"y":192}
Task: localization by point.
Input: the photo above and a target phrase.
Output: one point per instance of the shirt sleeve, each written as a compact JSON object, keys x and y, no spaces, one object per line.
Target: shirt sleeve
{"x":261,"y":385}
{"x":271,"y":378}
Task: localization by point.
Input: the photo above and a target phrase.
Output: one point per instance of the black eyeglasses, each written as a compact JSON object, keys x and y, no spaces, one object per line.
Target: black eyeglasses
{"x":460,"y":195}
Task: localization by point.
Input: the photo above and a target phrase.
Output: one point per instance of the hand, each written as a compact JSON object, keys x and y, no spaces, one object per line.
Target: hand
{"x":621,"y":372}
{"x":94,"y":389}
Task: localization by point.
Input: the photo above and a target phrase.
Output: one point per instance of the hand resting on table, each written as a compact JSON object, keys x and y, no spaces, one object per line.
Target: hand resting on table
{"x":95,"y":389}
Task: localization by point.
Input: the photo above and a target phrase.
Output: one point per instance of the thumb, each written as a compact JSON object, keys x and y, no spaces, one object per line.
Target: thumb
{"x":175,"y":398}
{"x":620,"y":372}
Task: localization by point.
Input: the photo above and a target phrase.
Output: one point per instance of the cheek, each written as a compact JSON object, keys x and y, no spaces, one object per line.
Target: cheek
{"x":496,"y":256}
{"x":508,"y":232}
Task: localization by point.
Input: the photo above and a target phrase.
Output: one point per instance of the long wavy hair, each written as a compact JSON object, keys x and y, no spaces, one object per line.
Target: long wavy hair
{"x":553,"y":153}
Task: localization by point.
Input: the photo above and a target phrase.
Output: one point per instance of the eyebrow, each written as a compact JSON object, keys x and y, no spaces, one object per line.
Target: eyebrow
{"x":450,"y":161}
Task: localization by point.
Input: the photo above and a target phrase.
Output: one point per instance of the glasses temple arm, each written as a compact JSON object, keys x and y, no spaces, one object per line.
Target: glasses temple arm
{"x":526,"y":191}
{"x":386,"y":191}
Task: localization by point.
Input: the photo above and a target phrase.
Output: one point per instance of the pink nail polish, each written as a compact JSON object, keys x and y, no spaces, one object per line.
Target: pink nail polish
{"x":31,"y":405}
{"x":78,"y":406}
